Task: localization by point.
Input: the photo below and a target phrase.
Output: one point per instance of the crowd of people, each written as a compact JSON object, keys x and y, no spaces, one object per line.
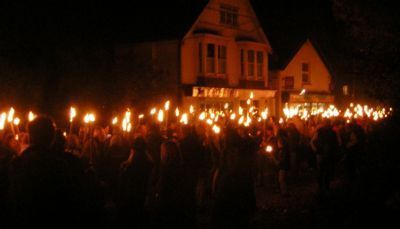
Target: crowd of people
{"x":155,"y":177}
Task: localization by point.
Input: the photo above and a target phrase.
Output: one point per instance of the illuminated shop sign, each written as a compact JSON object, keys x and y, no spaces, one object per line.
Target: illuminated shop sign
{"x":211,"y":92}
{"x":321,"y":98}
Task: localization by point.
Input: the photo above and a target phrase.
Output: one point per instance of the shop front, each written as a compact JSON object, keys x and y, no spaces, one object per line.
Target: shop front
{"x":218,"y":98}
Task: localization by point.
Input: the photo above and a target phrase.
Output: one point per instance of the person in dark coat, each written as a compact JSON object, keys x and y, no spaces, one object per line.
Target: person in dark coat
{"x":133,"y":186}
{"x":193,"y":156}
{"x":173,"y":190}
{"x":235,"y":201}
{"x":354,"y":150}
{"x":281,"y":157}
{"x":45,"y":183}
{"x":325,"y":145}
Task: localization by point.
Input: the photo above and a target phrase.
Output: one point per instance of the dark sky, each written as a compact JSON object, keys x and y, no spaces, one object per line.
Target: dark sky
{"x":58,"y":23}
{"x":35,"y":37}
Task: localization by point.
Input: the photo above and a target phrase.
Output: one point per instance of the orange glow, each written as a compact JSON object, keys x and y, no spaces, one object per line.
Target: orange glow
{"x":72,"y":114}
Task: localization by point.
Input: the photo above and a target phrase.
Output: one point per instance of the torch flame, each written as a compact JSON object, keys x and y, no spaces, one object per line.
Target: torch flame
{"x":89,"y":117}
{"x":184,"y":119}
{"x":115,"y":120}
{"x":166,"y":106}
{"x":17,"y":121}
{"x":160,"y":116}
{"x":11,"y":113}
{"x":216,"y":129}
{"x":72,"y":114}
{"x":31,"y":116}
{"x":3,"y":118}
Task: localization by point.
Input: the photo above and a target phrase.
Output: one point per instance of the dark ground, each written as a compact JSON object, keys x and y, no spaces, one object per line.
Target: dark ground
{"x":373,"y":201}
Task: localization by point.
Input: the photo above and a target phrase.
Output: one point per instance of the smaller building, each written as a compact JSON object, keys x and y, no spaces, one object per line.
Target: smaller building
{"x":302,"y":78}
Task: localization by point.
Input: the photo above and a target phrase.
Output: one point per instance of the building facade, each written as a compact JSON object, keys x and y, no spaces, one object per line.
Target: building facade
{"x":224,"y":56}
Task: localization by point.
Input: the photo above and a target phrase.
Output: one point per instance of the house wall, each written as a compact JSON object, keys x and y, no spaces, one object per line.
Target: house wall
{"x":320,"y":79}
{"x":208,"y":29}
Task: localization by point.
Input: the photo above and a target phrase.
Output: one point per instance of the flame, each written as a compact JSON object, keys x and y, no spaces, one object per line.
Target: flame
{"x":72,"y":113}
{"x":160,"y":116}
{"x":233,"y":116}
{"x":153,"y":111}
{"x":248,"y":101}
{"x":89,"y":117}
{"x":166,"y":105}
{"x":269,"y":149}
{"x":216,"y":129}
{"x":184,"y":119}
{"x":141,"y":116}
{"x":31,"y":116}
{"x":240,"y":110}
{"x":3,"y":118}
{"x":177,"y":112}
{"x":264,"y":114}
{"x":17,"y":121}
{"x":191,"y":109}
{"x":251,"y":95}
{"x":11,"y":113}
{"x":241,"y":120}
{"x":115,"y":120}
{"x":129,"y":127}
{"x":202,"y":116}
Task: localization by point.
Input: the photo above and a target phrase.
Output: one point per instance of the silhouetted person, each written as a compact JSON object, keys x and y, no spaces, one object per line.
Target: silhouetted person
{"x":354,"y":150}
{"x":193,"y":156}
{"x":235,"y":201}
{"x":281,"y":157}
{"x":325,"y":145}
{"x":45,"y":187}
{"x":173,"y":191}
{"x":133,"y":186}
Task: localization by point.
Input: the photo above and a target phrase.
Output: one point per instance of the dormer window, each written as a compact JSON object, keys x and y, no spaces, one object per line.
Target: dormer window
{"x":229,"y":15}
{"x":305,"y":73}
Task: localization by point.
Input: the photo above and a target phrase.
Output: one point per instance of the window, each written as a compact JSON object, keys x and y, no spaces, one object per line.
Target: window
{"x":305,"y":73}
{"x":260,"y":61}
{"x":250,"y":62}
{"x":288,"y":82}
{"x":256,"y":104}
{"x":345,"y":89}
{"x":221,"y":59}
{"x":200,"y":58}
{"x":210,"y":58}
{"x":242,"y":73}
{"x":228,"y":15}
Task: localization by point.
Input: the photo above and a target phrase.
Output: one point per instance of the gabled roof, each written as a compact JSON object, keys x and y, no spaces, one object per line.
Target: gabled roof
{"x":157,"y":20}
{"x":285,"y":53}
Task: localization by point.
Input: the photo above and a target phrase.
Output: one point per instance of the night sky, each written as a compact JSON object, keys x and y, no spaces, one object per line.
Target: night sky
{"x":54,"y":53}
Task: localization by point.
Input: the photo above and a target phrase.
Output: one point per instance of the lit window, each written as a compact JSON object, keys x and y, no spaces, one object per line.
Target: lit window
{"x":260,"y":62}
{"x":210,"y":58}
{"x":288,"y":82}
{"x":242,"y":73}
{"x":228,"y":15}
{"x":250,"y":61}
{"x":200,"y":57}
{"x":221,"y":59}
{"x":305,"y":73}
